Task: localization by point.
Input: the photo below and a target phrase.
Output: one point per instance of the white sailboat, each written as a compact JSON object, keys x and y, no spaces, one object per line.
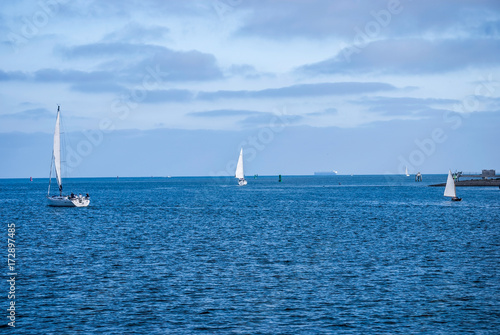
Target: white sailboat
{"x":62,"y":200}
{"x":450,"y":190}
{"x":239,"y":170}
{"x":406,"y":171}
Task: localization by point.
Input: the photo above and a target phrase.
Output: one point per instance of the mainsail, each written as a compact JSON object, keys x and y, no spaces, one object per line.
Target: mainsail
{"x":450,"y":191}
{"x":239,"y":167}
{"x":57,"y":150}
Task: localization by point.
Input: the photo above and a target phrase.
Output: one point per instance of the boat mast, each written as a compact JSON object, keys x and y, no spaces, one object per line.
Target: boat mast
{"x":57,"y":151}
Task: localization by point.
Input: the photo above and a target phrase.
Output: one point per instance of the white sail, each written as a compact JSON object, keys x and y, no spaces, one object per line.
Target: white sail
{"x":406,"y":171}
{"x":57,"y":150}
{"x":239,"y":167}
{"x":449,"y":191}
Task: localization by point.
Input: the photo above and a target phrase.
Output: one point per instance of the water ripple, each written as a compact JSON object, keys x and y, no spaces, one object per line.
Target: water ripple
{"x":199,"y":256}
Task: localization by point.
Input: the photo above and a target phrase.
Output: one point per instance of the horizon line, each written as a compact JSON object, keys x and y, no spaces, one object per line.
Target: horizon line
{"x":230,"y":176}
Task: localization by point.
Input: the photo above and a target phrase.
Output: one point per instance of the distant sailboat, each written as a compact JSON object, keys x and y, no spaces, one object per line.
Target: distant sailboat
{"x":449,"y":190}
{"x":62,"y":200}
{"x":239,"y":170}
{"x":406,"y":171}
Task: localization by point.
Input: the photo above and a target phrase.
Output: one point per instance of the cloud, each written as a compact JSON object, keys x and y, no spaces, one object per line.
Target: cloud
{"x":320,"y":19}
{"x":134,"y":32}
{"x":170,"y":64}
{"x":172,"y":95}
{"x":406,"y":106}
{"x":137,"y":59}
{"x":92,"y":81}
{"x":489,"y":29}
{"x":30,"y":114}
{"x":247,"y":71}
{"x":98,"y":87}
{"x":321,"y":89}
{"x":309,"y":19}
{"x":153,"y":9}
{"x":12,"y":75}
{"x":271,"y":120}
{"x":102,"y":49}
{"x":224,"y":113}
{"x":71,"y":76}
{"x":144,"y":53}
{"x":489,"y":103}
{"x":252,"y":119}
{"x":415,"y":56}
{"x":301,"y":90}
{"x":295,"y":150}
{"x":403,"y":101}
{"x":129,"y":63}
{"x":181,"y":65}
{"x":328,"y":111}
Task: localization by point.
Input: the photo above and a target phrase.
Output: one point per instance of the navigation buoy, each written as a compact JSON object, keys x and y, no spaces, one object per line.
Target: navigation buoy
{"x":279,"y":180}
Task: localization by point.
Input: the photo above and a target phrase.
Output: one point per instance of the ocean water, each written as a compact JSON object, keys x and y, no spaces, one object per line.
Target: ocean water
{"x":309,"y":255}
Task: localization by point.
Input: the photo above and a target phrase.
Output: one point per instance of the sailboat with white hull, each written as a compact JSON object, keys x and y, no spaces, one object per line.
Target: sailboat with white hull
{"x":62,"y":200}
{"x":450,"y":190}
{"x":239,"y":170}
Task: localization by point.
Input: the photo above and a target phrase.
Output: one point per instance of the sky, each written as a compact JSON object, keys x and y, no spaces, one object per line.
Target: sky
{"x":178,"y":87}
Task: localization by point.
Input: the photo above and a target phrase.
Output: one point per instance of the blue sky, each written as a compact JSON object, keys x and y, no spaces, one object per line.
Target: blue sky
{"x":177,"y":87}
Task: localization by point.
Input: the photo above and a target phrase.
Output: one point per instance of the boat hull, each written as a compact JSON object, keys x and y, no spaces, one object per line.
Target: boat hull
{"x":242,"y":182}
{"x":65,"y":201}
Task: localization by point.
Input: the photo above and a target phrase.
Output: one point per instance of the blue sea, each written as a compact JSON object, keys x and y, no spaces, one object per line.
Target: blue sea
{"x":308,"y":255}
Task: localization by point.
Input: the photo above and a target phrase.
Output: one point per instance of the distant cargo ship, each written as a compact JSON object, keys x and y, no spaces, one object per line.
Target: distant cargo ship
{"x":326,"y":173}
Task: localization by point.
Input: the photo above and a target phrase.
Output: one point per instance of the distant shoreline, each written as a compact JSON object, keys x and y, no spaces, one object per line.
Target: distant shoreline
{"x":474,"y":182}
